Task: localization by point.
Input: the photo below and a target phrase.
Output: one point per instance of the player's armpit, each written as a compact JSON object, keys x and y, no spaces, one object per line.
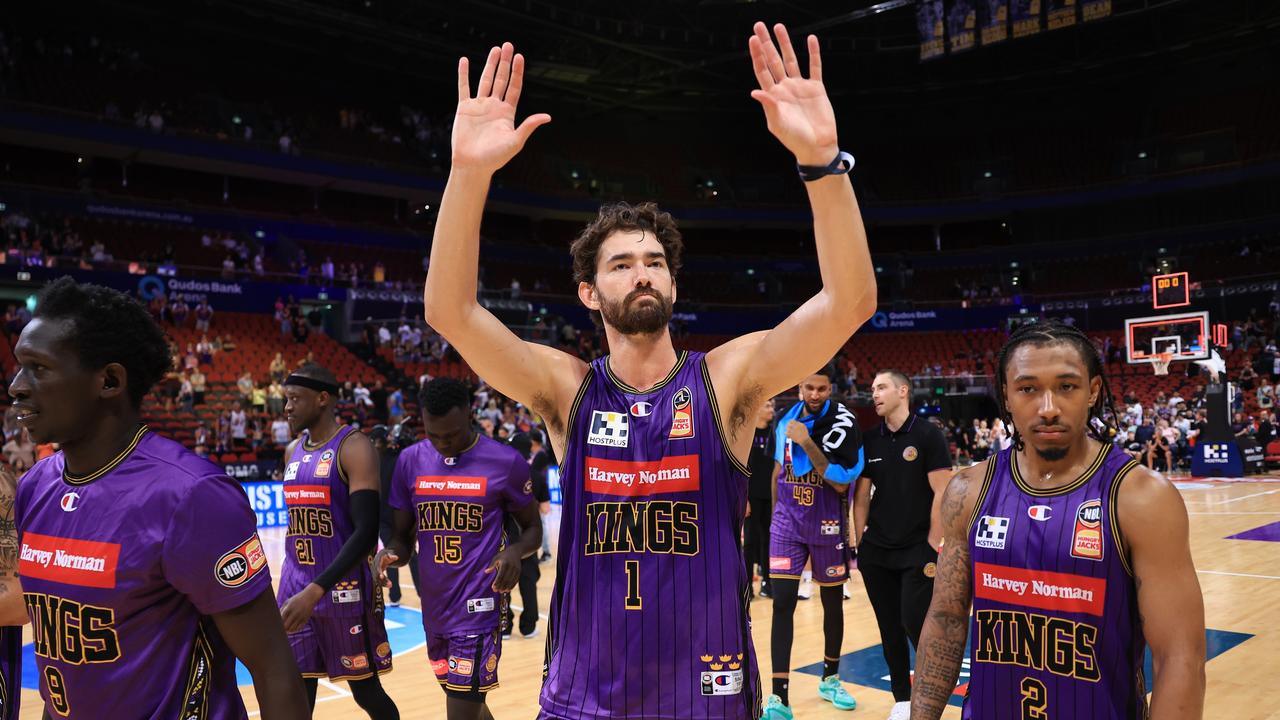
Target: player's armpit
{"x":255,"y":634}
{"x":946,"y":626}
{"x":1154,"y":529}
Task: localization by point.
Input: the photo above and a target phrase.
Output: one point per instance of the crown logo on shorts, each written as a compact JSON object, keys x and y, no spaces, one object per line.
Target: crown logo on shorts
{"x":706,"y":658}
{"x":725,"y":658}
{"x":717,"y":666}
{"x":734,"y":665}
{"x":739,"y":656}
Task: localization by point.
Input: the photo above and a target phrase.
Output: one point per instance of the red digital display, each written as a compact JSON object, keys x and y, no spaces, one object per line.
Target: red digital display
{"x":1170,"y":291}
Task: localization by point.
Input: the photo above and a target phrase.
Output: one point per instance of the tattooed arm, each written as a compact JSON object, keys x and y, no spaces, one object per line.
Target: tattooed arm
{"x":13,"y":610}
{"x":1153,"y":526}
{"x":946,"y":627}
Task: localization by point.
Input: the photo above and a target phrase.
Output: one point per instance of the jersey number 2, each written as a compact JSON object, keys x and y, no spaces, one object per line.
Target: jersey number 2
{"x":633,"y":600}
{"x":1035,"y":700}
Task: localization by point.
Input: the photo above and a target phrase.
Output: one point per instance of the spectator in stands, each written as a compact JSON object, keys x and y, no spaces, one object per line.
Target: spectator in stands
{"x":300,"y":331}
{"x":378,"y":395}
{"x":239,"y":429}
{"x":1241,"y":427}
{"x":204,"y":349}
{"x":280,"y":432}
{"x":395,"y":406}
{"x":278,"y":369}
{"x":258,"y":398}
{"x":204,"y":316}
{"x":186,"y":392}
{"x":1266,"y":429}
{"x":999,"y":436}
{"x":384,"y":335}
{"x":20,"y":452}
{"x":159,"y":307}
{"x":275,"y":398}
{"x":179,"y":311}
{"x":1160,"y":447}
{"x":259,"y":266}
{"x":228,"y":268}
{"x":1248,"y":378}
{"x":228,"y":343}
{"x":223,"y":430}
{"x":245,"y":386}
{"x":326,"y":270}
{"x":202,"y":439}
{"x":189,"y":360}
{"x":258,"y":435}
{"x":1266,"y":394}
{"x":199,"y":386}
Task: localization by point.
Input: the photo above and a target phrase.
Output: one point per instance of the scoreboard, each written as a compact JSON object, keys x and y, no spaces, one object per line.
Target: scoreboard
{"x":1170,"y":291}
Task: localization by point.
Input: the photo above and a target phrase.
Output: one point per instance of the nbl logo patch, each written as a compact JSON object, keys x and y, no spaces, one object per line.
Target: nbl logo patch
{"x":609,"y":429}
{"x":1086,"y":541}
{"x":681,"y":414}
{"x":325,"y":465}
{"x":992,"y":532}
{"x":240,"y":565}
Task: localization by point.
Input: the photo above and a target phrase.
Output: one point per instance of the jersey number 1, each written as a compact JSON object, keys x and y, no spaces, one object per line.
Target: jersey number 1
{"x":633,"y":600}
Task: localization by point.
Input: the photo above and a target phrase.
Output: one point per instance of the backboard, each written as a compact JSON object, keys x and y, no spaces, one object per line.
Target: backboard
{"x":1185,"y":335}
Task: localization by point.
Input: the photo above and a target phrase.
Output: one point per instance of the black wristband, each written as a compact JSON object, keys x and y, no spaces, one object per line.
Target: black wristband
{"x":840,"y":166}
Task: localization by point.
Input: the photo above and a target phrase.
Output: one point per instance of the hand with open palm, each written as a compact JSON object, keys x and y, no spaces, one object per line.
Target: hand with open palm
{"x":797,"y":109}
{"x":485,"y":136}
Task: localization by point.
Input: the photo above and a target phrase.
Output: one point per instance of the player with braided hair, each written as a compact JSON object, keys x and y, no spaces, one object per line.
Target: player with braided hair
{"x":1073,"y":557}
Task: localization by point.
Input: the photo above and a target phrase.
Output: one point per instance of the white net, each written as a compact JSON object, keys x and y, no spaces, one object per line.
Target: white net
{"x":1161,"y":363}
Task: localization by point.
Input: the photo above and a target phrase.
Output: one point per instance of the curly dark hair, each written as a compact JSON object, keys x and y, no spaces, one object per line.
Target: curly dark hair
{"x":443,"y":394}
{"x":109,"y":327}
{"x":1102,"y":415}
{"x":621,"y":216}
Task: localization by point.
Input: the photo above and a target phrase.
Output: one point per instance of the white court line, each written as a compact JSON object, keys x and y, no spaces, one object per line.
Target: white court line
{"x":1228,"y":512}
{"x":1235,"y":574}
{"x":1238,"y":499}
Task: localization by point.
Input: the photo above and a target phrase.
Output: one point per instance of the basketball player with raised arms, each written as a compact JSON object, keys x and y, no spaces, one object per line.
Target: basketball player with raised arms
{"x":331,"y":607}
{"x":141,"y":567}
{"x":454,"y":491}
{"x":648,"y":616}
{"x":1073,"y":556}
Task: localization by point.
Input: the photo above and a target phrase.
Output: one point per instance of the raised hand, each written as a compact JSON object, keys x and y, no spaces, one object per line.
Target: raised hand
{"x":797,"y":109}
{"x":485,"y":136}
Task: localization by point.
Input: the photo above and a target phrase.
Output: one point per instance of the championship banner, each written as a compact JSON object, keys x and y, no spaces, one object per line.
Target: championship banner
{"x":929,"y":20}
{"x":1024,"y":15}
{"x":1095,"y":9}
{"x":962,"y":20}
{"x":994,"y":21}
{"x":1062,"y":13}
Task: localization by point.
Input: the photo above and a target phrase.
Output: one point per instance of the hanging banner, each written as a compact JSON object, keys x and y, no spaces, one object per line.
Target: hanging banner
{"x":994,"y":21}
{"x":1062,"y":13}
{"x":962,"y":20}
{"x":929,"y":21}
{"x":1024,"y":16}
{"x":1095,"y":9}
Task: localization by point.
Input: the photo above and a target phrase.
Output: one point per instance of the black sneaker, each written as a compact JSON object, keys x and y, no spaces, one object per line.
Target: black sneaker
{"x":766,"y":591}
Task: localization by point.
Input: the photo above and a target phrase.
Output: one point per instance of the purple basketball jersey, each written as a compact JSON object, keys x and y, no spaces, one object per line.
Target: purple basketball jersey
{"x":319,"y":502}
{"x":10,"y":672}
{"x":1055,"y":629}
{"x":808,"y":509}
{"x":121,"y":570}
{"x":458,"y":505}
{"x":649,"y":612}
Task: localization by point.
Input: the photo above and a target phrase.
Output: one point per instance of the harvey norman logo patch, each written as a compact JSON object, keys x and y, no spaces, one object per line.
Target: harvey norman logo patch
{"x":678,"y":473}
{"x":72,"y":562}
{"x":1060,"y":592}
{"x":306,"y":495}
{"x":609,"y":429}
{"x":464,"y":485}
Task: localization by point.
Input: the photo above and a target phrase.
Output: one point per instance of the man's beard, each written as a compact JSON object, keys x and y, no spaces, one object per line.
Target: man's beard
{"x":1052,"y":454}
{"x":630,"y":318}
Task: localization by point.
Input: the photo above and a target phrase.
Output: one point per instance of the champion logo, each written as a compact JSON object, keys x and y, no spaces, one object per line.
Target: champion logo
{"x":641,"y":409}
{"x":1040,"y":512}
{"x":70,"y":501}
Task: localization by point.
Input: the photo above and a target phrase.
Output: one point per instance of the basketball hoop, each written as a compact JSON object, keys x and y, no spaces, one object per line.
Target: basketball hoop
{"x":1160,"y":363}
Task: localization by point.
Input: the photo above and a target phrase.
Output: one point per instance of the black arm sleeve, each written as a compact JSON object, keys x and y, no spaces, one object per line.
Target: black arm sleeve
{"x":365,"y":506}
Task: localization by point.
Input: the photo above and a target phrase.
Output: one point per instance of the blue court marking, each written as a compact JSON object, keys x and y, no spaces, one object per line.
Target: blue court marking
{"x":866,"y":667}
{"x":404,"y":632}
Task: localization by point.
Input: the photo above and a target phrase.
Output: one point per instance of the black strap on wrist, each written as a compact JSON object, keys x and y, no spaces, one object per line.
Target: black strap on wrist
{"x":840,"y":166}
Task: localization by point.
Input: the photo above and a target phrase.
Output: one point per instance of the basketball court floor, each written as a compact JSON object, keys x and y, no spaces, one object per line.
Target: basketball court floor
{"x":1235,"y":538}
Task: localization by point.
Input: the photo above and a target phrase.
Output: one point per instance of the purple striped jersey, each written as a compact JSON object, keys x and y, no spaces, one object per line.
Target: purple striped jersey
{"x":10,"y":672}
{"x":458,"y":505}
{"x":649,"y":612}
{"x":807,"y":509}
{"x":319,"y":504}
{"x":1055,"y":630}
{"x":121,"y":569}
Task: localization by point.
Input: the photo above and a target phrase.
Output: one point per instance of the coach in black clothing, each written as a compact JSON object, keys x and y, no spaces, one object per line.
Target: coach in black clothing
{"x":760,"y":497}
{"x":908,"y":463}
